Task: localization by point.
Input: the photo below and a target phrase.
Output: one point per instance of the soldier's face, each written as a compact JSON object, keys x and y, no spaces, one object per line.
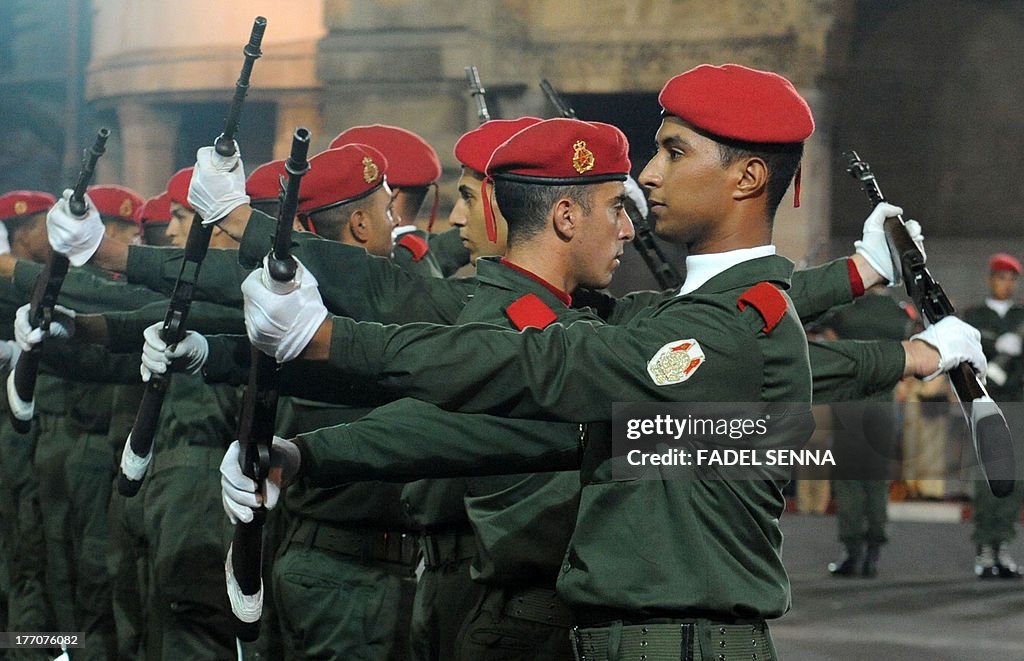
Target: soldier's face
{"x":1002,"y":285}
{"x":688,"y":189}
{"x":124,"y":232}
{"x":602,"y":237}
{"x":380,"y":222}
{"x":468,"y":216}
{"x":181,"y":223}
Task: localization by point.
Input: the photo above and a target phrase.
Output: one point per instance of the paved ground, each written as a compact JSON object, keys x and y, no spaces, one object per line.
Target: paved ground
{"x":925,"y":604}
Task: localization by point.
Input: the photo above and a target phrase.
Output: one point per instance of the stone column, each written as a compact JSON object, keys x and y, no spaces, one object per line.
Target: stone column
{"x":148,"y":135}
{"x":293,"y":111}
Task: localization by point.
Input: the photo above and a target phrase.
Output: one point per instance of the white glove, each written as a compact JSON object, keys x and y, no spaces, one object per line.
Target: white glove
{"x":1009,"y":344}
{"x":957,"y":342}
{"x":62,"y":325}
{"x":218,"y":184}
{"x":873,"y":247}
{"x":10,"y":351}
{"x":635,"y":193}
{"x":19,"y":409}
{"x":75,"y":238}
{"x":282,"y":317}
{"x":188,"y":355}
{"x":247,"y":608}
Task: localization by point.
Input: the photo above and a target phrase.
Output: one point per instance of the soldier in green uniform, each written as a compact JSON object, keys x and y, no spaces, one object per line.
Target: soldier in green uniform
{"x":1001,"y":321}
{"x":413,"y":169}
{"x":720,"y":207}
{"x":154,"y":216}
{"x":28,"y":608}
{"x":862,"y":503}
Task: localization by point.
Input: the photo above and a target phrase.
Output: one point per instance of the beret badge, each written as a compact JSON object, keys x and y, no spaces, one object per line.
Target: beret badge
{"x":582,"y":158}
{"x":370,"y":170}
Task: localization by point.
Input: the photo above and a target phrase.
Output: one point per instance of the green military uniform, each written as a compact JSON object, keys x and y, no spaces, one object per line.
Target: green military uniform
{"x":862,"y":503}
{"x":181,"y":524}
{"x":745,"y":358}
{"x":76,"y":464}
{"x":432,"y":255}
{"x":995,"y":518}
{"x":27,"y":603}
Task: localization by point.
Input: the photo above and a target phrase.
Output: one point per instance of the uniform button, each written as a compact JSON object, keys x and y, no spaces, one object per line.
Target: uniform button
{"x":566,"y":567}
{"x":754,"y":643}
{"x":643,"y":630}
{"x":721,"y":657}
{"x":722,"y":631}
{"x":643,"y":643}
{"x":721,"y":643}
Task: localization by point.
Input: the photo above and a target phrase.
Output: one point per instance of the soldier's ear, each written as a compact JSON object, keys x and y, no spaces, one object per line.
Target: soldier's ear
{"x":359,"y":226}
{"x":751,"y":174}
{"x":564,"y":218}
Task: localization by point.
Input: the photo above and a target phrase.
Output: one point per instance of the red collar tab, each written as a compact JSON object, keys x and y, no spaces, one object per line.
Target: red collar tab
{"x":559,"y":294}
{"x":415,"y":244}
{"x":856,"y":283}
{"x":530,"y":312}
{"x":768,"y":301}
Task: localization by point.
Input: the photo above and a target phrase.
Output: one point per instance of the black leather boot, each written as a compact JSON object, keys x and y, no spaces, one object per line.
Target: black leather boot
{"x":870,"y":567}
{"x":850,"y":564}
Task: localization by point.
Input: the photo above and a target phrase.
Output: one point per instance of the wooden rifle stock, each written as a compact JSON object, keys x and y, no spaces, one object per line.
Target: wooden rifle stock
{"x":259,"y":407}
{"x":140,"y":440}
{"x":48,"y":286}
{"x":992,"y":439}
{"x":477,"y":91}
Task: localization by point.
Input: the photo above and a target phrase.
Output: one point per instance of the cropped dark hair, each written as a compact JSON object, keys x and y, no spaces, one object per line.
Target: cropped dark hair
{"x":525,"y":206}
{"x":782,"y":160}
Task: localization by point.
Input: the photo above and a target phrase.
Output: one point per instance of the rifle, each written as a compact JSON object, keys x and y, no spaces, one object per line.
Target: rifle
{"x":477,"y":91}
{"x":663,"y":270}
{"x":139,"y":445}
{"x":993,"y":442}
{"x":259,"y":408}
{"x":48,"y":285}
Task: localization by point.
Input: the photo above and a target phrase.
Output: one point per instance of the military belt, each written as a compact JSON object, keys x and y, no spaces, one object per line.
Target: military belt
{"x":444,"y":547}
{"x":366,"y":545}
{"x":684,"y":640}
{"x":537,"y":604}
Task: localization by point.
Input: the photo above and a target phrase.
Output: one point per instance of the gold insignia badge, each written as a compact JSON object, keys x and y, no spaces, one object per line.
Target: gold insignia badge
{"x":370,"y":170}
{"x":20,"y":207}
{"x":675,"y":362}
{"x":126,"y":210}
{"x":582,"y":158}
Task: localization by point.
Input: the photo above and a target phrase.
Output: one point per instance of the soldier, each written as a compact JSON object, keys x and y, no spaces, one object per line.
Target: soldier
{"x":862,"y":494}
{"x":154,"y":216}
{"x":727,"y":148}
{"x":263,"y":186}
{"x":413,"y":169}
{"x":1001,"y":320}
{"x":119,"y":209}
{"x":23,"y":214}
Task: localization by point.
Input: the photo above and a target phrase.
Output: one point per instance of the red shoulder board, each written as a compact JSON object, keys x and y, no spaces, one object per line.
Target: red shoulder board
{"x":529,"y":311}
{"x":417,"y":245}
{"x":768,"y":301}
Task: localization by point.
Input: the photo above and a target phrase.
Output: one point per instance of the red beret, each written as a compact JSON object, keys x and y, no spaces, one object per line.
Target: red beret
{"x":156,"y":210}
{"x":562,"y":152}
{"x":116,"y":202}
{"x":474,"y":148}
{"x":24,"y":202}
{"x":264,"y":183}
{"x":1003,"y":262}
{"x":734,"y":102}
{"x":341,"y":175}
{"x":411,"y":161}
{"x":177,"y":187}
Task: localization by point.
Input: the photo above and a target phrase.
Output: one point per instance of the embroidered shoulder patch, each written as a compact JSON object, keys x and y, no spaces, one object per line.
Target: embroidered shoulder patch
{"x":530,"y":312}
{"x":675,"y":362}
{"x":417,"y":245}
{"x":768,"y":301}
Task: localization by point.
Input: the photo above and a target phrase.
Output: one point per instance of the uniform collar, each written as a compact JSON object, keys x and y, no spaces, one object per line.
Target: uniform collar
{"x":561,"y":295}
{"x":999,"y":307}
{"x":493,"y":271}
{"x":701,"y":268}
